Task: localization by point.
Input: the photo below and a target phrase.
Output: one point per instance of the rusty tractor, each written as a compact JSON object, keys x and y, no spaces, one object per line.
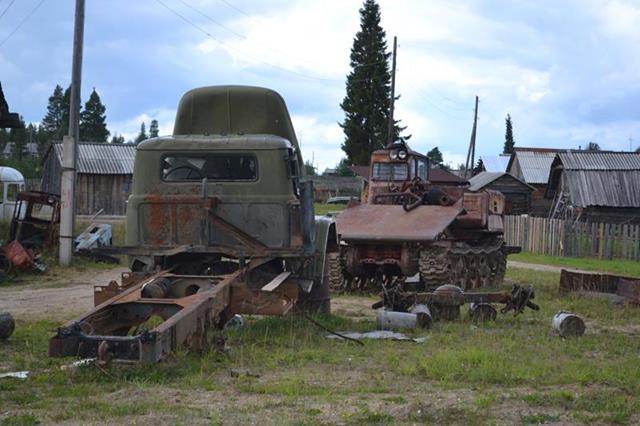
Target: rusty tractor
{"x":220,"y":222}
{"x":407,"y":226}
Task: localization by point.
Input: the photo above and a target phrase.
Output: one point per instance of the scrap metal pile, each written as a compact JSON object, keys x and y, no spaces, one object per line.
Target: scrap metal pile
{"x":446,"y":301}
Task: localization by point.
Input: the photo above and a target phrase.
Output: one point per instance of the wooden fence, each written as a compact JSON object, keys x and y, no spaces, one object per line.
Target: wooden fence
{"x":556,"y":237}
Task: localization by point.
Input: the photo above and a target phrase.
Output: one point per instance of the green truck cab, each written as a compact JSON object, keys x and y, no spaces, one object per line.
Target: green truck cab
{"x":227,"y":189}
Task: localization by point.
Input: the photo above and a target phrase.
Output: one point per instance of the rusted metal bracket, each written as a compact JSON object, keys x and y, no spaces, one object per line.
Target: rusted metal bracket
{"x":188,"y":308}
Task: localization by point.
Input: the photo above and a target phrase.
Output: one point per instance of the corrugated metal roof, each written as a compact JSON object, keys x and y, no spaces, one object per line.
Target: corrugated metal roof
{"x":600,"y":160}
{"x":103,"y":158}
{"x":535,"y":165}
{"x":483,"y":179}
{"x":610,"y":188}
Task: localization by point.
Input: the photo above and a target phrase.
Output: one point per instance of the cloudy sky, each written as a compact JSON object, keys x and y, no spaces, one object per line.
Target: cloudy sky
{"x":568,"y":72}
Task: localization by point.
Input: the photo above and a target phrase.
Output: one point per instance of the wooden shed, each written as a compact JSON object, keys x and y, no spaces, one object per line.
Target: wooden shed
{"x":516,"y":192}
{"x":596,"y":186}
{"x":532,"y":166}
{"x":104,"y":176}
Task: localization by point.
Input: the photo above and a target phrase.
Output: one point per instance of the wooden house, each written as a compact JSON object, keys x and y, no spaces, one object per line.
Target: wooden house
{"x":532,"y":166}
{"x":104,"y":174}
{"x":516,"y":192}
{"x":595,"y":186}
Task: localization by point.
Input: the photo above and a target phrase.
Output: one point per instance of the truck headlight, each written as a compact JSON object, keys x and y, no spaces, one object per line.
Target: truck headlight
{"x":393,"y":155}
{"x":402,"y":154}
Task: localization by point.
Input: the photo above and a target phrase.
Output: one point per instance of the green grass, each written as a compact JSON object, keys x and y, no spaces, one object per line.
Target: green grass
{"x":514,"y":370}
{"x":322,"y":209}
{"x":622,"y":267}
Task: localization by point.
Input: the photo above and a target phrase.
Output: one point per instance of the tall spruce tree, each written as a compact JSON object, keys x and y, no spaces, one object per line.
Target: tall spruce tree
{"x":509,"y":143}
{"x":435,"y":157}
{"x":142,"y":135}
{"x":53,"y":120}
{"x":478,"y":168}
{"x":154,"y":129}
{"x":93,"y":126}
{"x":368,"y":86}
{"x":118,"y":139}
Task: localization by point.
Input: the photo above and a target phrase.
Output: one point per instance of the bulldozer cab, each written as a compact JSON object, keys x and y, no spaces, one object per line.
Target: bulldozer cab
{"x":392,"y":169}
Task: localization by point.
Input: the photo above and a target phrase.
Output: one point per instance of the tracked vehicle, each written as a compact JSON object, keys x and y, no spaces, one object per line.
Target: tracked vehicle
{"x":220,"y":222}
{"x":407,"y":226}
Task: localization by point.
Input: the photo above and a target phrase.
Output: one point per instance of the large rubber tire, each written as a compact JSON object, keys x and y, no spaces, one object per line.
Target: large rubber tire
{"x":434,"y":267}
{"x":318,"y":300}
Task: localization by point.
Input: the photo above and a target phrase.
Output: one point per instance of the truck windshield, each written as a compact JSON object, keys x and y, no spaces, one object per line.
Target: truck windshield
{"x":390,"y":171}
{"x":189,"y":167}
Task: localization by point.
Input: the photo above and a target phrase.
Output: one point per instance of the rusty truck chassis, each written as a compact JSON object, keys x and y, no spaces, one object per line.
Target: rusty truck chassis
{"x":190,"y":306}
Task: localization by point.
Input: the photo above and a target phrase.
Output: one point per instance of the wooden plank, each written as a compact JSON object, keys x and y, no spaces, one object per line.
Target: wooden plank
{"x":275,"y":283}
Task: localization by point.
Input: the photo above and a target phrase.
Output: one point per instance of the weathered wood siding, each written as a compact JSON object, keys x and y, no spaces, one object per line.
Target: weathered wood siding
{"x":108,"y":192}
{"x":540,"y":205}
{"x":557,"y":237}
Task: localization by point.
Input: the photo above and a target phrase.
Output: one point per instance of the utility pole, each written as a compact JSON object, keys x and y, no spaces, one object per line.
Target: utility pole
{"x":471,"y":154}
{"x":392,"y":100}
{"x":70,"y":147}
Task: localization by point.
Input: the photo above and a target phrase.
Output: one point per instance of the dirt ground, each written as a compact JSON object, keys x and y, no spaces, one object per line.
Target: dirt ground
{"x":34,"y":301}
{"x":75,"y":296}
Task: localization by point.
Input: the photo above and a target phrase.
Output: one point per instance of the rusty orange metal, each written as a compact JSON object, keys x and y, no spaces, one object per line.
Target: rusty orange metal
{"x":370,"y":222}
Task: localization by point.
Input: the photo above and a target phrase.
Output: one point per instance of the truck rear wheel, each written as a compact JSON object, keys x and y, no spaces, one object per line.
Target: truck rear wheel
{"x":318,"y":301}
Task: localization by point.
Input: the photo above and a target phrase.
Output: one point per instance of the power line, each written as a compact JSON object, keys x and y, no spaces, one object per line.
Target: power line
{"x":434,"y":104}
{"x":235,"y":8}
{"x":25,"y":19}
{"x":244,"y":37}
{"x":7,"y":8}
{"x":194,"y":25}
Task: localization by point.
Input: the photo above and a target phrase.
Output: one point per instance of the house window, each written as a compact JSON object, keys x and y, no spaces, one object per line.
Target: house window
{"x":215,"y":167}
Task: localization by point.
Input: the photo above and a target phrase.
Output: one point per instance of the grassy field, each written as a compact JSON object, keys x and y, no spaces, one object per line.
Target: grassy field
{"x":623,"y":267}
{"x":284,"y":371}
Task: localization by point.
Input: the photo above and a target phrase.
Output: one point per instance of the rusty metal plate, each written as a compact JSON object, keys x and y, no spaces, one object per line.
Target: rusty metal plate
{"x":377,"y":222}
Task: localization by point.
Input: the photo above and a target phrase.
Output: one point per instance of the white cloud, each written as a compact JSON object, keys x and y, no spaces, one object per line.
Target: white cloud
{"x":621,"y":19}
{"x":130,"y":128}
{"x":319,"y":141}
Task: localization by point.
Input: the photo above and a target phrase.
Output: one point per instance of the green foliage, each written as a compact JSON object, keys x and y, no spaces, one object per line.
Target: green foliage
{"x":435,"y":157}
{"x":153,"y":129}
{"x":117,"y":139}
{"x":56,"y":122}
{"x":342,"y":169}
{"x":93,"y":127}
{"x":368,"y":88}
{"x":30,"y":167}
{"x":623,"y":267}
{"x":142,"y":135}
{"x":509,"y":143}
{"x":593,"y":146}
{"x":309,"y":170}
{"x":479,"y":167}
